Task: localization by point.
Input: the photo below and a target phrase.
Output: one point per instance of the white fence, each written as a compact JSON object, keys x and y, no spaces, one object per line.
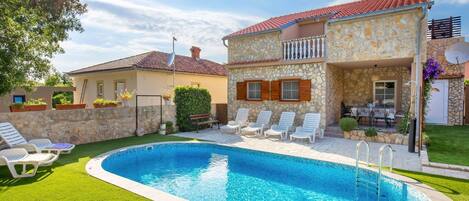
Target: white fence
{"x":304,"y":48}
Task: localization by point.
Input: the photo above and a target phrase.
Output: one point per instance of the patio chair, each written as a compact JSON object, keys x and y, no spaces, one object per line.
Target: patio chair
{"x":260,"y":125}
{"x":284,"y":125}
{"x":14,"y":139}
{"x":19,"y":156}
{"x":309,"y":129}
{"x":240,"y":121}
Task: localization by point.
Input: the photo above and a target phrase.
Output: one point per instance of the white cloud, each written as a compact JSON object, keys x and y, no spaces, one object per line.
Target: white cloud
{"x":141,"y":25}
{"x":453,"y":1}
{"x":337,"y":2}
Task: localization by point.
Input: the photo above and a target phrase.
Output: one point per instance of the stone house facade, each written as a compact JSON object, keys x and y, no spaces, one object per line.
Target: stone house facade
{"x":318,"y":60}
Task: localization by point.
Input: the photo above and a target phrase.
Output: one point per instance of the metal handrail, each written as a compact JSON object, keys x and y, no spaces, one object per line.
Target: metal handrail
{"x":391,"y":155}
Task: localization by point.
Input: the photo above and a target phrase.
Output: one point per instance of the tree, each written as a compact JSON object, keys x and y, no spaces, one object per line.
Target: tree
{"x":58,"y":79}
{"x":30,"y":34}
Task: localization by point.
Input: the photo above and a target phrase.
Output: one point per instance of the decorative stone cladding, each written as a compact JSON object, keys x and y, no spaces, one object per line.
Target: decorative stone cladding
{"x":358,"y":85}
{"x":374,"y":38}
{"x":436,"y":49}
{"x":316,"y":72}
{"x":255,"y":48}
{"x":334,"y":92}
{"x":456,"y":101}
{"x":388,"y":138}
{"x":87,"y":125}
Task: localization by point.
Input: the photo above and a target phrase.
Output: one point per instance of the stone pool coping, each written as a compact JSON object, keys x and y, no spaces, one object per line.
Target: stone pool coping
{"x":94,"y":168}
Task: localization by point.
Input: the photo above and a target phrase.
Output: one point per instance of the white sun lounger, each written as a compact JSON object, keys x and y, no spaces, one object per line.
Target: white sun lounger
{"x":260,"y":125}
{"x":19,"y":156}
{"x":309,"y":129}
{"x":284,"y":125}
{"x":14,"y":139}
{"x":240,"y":121}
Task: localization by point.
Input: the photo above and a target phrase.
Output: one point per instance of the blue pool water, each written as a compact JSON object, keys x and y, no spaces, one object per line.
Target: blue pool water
{"x":199,"y":171}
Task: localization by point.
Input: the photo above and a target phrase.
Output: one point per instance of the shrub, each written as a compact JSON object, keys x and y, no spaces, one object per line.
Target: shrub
{"x":404,"y":125}
{"x":371,"y":132}
{"x":348,"y":124}
{"x":426,"y":140}
{"x":190,"y":101}
{"x":169,"y":127}
{"x":101,"y":101}
{"x":38,"y":101}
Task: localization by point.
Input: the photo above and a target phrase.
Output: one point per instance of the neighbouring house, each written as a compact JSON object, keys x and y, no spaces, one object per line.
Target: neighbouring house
{"x":446,"y":106}
{"x":21,"y":95}
{"x":149,"y":74}
{"x":318,"y":60}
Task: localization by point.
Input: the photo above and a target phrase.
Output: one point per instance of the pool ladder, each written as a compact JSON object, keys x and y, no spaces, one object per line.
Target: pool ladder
{"x":368,"y":184}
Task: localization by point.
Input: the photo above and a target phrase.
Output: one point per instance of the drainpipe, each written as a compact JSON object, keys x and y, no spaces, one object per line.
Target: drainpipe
{"x":418,"y":75}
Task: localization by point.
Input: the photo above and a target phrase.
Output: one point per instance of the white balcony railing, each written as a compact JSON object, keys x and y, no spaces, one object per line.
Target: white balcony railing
{"x":304,"y":48}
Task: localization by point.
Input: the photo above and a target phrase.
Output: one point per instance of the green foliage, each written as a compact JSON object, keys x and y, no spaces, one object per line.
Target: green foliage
{"x":31,"y":32}
{"x":62,"y":98}
{"x":169,"y":127}
{"x":466,"y":82}
{"x":101,"y":101}
{"x":426,"y":140}
{"x":404,"y":126}
{"x":348,"y":124}
{"x":371,"y":132}
{"x":17,"y":105}
{"x":189,"y":101}
{"x":58,"y":79}
{"x":38,"y":101}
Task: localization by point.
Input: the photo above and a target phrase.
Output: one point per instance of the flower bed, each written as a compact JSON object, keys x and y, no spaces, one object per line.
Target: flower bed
{"x":389,"y":138}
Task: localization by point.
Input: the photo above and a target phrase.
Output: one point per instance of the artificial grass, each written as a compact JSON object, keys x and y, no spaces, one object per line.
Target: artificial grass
{"x":456,"y":189}
{"x":67,"y":178}
{"x":448,"y":144}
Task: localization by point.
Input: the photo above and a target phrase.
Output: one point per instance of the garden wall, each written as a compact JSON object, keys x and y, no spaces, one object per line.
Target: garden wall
{"x":88,"y":125}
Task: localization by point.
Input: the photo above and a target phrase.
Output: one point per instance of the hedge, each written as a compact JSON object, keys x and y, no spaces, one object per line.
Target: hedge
{"x":189,"y":101}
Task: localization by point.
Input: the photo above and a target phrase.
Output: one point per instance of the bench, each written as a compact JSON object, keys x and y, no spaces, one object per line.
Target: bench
{"x":203,"y":119}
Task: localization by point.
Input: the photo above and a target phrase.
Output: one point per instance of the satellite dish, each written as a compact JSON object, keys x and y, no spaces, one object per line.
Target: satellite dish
{"x":171,"y":59}
{"x":458,"y":53}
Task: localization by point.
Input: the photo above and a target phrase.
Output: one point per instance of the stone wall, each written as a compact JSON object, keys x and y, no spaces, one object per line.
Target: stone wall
{"x":388,"y":138}
{"x":316,"y":72}
{"x":87,"y":125}
{"x":374,"y":38}
{"x":456,"y":101}
{"x":436,"y":49}
{"x":334,"y":93}
{"x":255,"y":48}
{"x":358,"y":85}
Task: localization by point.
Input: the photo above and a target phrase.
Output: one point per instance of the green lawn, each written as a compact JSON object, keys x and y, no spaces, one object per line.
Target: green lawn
{"x":449,"y":144}
{"x":68,"y":180}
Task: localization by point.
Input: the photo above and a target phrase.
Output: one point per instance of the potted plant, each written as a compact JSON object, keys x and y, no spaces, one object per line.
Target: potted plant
{"x":103,"y":103}
{"x":17,"y":107}
{"x":68,"y":105}
{"x":35,"y":105}
{"x":163,"y":129}
{"x":125,"y":97}
{"x":167,"y":98}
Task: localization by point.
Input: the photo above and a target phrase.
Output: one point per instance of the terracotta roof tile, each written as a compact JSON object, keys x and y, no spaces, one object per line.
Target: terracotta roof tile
{"x":334,"y":12}
{"x":157,"y":61}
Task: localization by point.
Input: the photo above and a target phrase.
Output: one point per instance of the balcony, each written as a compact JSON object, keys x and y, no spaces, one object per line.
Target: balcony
{"x":304,"y":48}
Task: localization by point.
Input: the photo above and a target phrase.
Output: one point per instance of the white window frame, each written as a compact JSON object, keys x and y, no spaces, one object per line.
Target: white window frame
{"x":298,"y":90}
{"x":260,"y":90}
{"x":116,"y":91}
{"x":100,"y":83}
{"x":386,"y":81}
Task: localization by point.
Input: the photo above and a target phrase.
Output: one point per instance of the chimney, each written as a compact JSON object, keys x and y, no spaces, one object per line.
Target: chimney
{"x":195,"y":51}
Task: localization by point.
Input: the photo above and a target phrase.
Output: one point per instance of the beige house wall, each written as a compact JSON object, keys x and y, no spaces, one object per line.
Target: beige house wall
{"x":374,"y":38}
{"x":108,"y":78}
{"x":42,"y":92}
{"x":147,"y":82}
{"x":257,"y":47}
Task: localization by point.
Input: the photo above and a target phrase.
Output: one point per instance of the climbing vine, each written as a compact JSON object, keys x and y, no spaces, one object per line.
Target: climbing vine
{"x":432,"y":71}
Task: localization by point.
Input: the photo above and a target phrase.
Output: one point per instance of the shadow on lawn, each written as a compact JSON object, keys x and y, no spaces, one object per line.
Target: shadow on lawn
{"x":446,"y":187}
{"x":84,"y":153}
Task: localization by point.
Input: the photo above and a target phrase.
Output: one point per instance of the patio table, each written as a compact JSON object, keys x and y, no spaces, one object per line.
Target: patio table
{"x":373,"y":114}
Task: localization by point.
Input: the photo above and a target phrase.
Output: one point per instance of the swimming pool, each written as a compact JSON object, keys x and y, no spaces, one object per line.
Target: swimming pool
{"x":204,"y":171}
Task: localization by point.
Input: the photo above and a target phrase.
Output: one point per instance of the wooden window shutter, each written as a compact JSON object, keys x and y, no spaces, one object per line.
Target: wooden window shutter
{"x":241,"y":92}
{"x":305,"y":90}
{"x":275,"y":89}
{"x":265,"y":90}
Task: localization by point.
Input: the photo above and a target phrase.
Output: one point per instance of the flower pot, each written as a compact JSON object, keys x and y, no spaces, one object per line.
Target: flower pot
{"x":104,"y":106}
{"x":17,"y":109}
{"x":163,"y":129}
{"x":69,"y":106}
{"x":32,"y":108}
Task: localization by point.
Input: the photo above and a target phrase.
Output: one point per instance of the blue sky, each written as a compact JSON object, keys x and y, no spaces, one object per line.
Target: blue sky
{"x":120,"y":28}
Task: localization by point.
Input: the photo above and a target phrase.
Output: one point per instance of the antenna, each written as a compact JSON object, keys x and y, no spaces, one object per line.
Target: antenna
{"x":458,"y":53}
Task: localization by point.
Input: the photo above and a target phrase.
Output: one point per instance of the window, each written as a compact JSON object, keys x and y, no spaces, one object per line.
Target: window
{"x":385,"y":93}
{"x":119,"y":87}
{"x":100,"y":89}
{"x":254,"y":90}
{"x":19,"y":99}
{"x":290,"y":90}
